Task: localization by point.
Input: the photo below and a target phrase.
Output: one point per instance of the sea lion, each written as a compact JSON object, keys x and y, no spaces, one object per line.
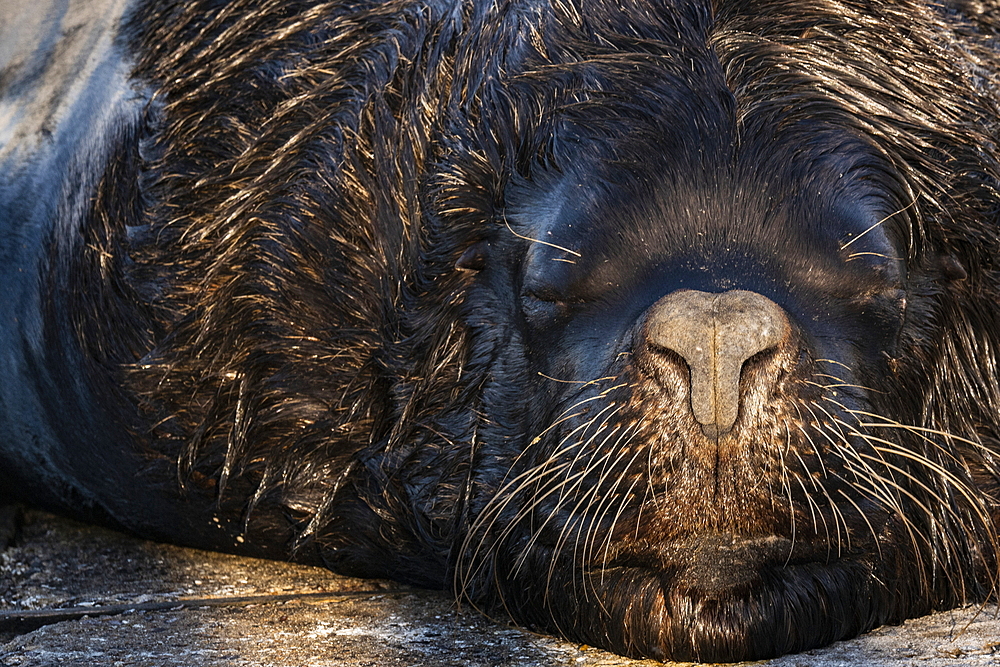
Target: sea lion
{"x":668,"y":326}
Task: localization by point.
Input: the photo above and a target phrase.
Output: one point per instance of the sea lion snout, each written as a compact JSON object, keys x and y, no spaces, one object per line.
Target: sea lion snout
{"x":715,"y":334}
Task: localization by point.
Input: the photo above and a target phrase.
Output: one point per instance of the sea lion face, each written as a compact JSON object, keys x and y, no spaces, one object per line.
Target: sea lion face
{"x":704,"y":365}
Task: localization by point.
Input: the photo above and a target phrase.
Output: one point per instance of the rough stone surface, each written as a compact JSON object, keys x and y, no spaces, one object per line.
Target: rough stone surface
{"x":57,"y":564}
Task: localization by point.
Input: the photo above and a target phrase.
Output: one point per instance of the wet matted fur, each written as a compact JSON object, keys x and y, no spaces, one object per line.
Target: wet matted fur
{"x":424,"y":290}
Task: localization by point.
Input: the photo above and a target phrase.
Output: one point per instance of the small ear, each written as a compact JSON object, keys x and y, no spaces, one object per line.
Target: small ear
{"x":474,"y":258}
{"x":951,"y":269}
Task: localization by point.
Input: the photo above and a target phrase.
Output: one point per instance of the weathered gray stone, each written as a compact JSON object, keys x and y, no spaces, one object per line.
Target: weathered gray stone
{"x":351,"y":622}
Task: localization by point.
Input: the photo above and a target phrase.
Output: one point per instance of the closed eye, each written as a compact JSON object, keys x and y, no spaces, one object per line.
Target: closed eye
{"x":546,"y":295}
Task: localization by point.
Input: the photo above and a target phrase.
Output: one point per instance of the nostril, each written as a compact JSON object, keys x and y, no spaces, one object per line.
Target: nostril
{"x":716,"y":334}
{"x":758,"y":361}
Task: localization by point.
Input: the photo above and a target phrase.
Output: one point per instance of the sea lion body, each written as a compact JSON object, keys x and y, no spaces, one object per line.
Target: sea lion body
{"x":61,"y":98}
{"x":670,"y":327}
{"x":67,"y":99}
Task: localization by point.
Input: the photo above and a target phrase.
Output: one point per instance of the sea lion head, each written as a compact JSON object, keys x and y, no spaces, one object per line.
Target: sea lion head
{"x":714,"y":423}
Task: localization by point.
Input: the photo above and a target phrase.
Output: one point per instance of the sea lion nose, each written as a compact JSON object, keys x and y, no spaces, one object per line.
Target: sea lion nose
{"x":715,"y":334}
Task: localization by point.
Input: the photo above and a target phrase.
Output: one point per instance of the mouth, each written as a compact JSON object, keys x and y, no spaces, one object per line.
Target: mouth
{"x":717,"y":598}
{"x":729,"y":599}
{"x":659,"y":544}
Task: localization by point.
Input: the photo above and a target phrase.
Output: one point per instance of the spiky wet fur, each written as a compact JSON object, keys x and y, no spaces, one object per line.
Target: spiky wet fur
{"x":278,"y":297}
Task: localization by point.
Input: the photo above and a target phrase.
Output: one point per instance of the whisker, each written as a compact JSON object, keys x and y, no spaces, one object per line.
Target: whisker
{"x":788,"y":493}
{"x":584,"y":383}
{"x":838,"y":517}
{"x":834,"y":361}
{"x":610,"y":494}
{"x":871,"y":528}
{"x":508,"y":491}
{"x":855,"y":255}
{"x":595,"y":514}
{"x":539,"y":241}
{"x":880,"y":222}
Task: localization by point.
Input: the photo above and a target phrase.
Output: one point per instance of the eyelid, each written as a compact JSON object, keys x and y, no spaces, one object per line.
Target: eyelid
{"x":544,"y":294}
{"x":549,"y":295}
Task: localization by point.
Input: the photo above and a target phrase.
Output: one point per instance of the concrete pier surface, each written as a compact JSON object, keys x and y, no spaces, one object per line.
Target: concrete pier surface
{"x":72,"y":594}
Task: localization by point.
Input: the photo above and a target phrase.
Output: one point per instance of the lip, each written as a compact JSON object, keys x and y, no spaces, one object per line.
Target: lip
{"x":726,"y":598}
{"x":717,"y":553}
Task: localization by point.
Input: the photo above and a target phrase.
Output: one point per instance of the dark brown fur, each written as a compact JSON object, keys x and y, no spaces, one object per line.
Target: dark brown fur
{"x":373,"y":285}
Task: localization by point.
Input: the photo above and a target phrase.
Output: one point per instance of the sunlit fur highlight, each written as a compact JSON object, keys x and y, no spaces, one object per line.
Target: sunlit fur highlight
{"x":268,"y":282}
